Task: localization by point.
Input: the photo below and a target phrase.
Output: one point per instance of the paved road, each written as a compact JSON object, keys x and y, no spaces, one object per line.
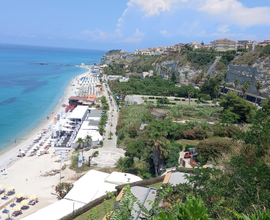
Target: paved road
{"x":212,"y":67}
{"x":109,"y":154}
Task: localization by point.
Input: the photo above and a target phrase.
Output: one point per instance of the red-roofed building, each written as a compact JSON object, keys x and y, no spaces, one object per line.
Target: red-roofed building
{"x":91,"y":99}
{"x":224,"y":44}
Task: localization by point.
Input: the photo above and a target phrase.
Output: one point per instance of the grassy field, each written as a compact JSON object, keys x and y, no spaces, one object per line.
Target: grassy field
{"x":195,"y":142}
{"x":99,"y":209}
{"x":156,"y":185}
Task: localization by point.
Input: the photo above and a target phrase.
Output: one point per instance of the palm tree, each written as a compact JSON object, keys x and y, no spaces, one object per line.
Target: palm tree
{"x":88,"y":139}
{"x":244,"y":90}
{"x":224,"y":85}
{"x":160,"y":152}
{"x":217,"y":90}
{"x":236,"y":81}
{"x":258,"y":86}
{"x":80,"y":142}
{"x":208,"y":77}
{"x":190,"y":94}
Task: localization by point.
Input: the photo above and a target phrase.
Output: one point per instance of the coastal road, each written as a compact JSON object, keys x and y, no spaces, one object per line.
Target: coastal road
{"x":109,"y":153}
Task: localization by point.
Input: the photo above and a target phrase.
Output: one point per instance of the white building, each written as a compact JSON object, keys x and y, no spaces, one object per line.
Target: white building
{"x":224,"y":44}
{"x":89,"y":187}
{"x":79,"y":114}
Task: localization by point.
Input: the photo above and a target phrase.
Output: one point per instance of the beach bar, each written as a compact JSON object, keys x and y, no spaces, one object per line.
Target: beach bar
{"x":79,"y":114}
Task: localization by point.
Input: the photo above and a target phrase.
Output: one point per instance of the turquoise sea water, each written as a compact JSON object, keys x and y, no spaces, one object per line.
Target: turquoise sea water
{"x":29,"y":91}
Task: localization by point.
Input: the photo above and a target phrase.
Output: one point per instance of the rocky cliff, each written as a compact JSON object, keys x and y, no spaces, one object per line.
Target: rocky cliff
{"x":185,"y":72}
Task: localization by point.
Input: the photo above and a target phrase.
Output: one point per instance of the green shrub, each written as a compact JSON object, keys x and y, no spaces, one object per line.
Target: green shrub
{"x":212,"y":149}
{"x":176,"y":99}
{"x":151,"y":97}
{"x":189,"y":146}
{"x":183,"y":100}
{"x":174,"y":150}
{"x":198,"y":101}
{"x":196,"y":133}
{"x":207,"y":97}
{"x":226,"y":131}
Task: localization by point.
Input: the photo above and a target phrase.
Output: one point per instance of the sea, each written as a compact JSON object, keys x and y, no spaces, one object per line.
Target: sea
{"x":32,"y":81}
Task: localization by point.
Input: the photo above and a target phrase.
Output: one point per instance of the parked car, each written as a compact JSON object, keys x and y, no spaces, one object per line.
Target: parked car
{"x":33,"y":202}
{"x":16,"y":213}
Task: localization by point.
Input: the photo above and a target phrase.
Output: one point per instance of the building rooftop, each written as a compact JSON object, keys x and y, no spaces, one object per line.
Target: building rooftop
{"x":223,"y":40}
{"x":91,"y":98}
{"x":95,"y":113}
{"x":77,"y":98}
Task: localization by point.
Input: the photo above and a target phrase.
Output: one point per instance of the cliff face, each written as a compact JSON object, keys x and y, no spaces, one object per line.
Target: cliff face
{"x":259,"y":71}
{"x":184,"y":72}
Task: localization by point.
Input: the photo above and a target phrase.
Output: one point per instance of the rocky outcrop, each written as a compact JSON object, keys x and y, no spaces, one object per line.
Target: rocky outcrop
{"x":184,"y":72}
{"x":259,"y":71}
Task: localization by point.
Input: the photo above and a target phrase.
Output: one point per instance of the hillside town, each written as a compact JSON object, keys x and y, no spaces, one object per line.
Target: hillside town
{"x":219,"y":45}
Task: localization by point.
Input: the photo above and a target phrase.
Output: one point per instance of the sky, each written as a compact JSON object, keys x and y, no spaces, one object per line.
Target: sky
{"x":131,"y":24}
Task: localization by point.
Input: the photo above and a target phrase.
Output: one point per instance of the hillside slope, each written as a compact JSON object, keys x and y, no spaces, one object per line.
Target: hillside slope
{"x":252,"y":66}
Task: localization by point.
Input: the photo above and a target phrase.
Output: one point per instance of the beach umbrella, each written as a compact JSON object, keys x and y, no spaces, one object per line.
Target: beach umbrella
{"x":10,"y":188}
{"x":20,"y":195}
{"x":32,"y":197}
{"x":16,"y":208}
{"x":25,"y":202}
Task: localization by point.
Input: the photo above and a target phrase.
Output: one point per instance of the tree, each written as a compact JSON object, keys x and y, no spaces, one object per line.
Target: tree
{"x":224,"y":85}
{"x":173,"y":78}
{"x":160,"y":151}
{"x":209,"y":87}
{"x":266,"y":105}
{"x":94,"y":154}
{"x":244,"y":89}
{"x":110,"y":135}
{"x":62,"y":189}
{"x":190,"y":94}
{"x":236,"y":81}
{"x":229,"y":117}
{"x":192,"y":209}
{"x":80,"y":141}
{"x":217,"y":90}
{"x":238,"y":106}
{"x":88,"y":139}
{"x":258,"y":86}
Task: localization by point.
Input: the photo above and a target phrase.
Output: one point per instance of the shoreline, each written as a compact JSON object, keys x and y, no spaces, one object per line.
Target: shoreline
{"x":8,"y":156}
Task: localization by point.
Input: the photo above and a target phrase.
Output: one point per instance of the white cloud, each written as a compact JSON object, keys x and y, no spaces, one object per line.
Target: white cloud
{"x":96,"y":35}
{"x":223,"y":29}
{"x":135,"y":38}
{"x":154,"y":7}
{"x":165,"y":33}
{"x":236,"y":13}
{"x":149,"y":7}
{"x":99,"y":35}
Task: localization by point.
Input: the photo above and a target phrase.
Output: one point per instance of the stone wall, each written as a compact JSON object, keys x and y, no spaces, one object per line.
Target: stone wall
{"x":256,"y":72}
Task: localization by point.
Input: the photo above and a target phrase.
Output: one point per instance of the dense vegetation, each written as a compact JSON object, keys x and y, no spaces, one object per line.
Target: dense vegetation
{"x":238,"y":183}
{"x":250,"y":57}
{"x":154,"y":85}
{"x":151,"y":145}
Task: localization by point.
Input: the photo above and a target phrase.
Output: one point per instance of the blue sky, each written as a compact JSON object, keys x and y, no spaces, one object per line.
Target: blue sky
{"x":131,"y":24}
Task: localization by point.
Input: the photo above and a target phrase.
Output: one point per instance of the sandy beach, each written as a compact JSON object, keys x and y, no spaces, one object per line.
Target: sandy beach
{"x":28,"y":174}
